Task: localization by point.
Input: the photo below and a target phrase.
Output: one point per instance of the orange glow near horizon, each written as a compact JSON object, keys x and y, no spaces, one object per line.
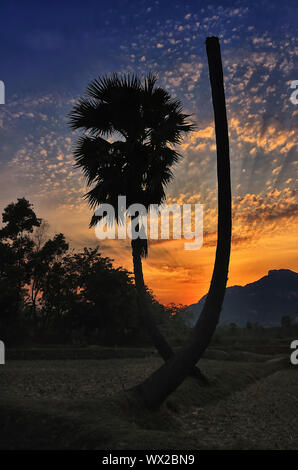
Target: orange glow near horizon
{"x":187,"y":283}
{"x":177,"y":275}
{"x":263,"y":168}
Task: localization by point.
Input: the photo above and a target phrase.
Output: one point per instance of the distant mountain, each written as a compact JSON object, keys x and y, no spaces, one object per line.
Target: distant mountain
{"x":264,"y":301}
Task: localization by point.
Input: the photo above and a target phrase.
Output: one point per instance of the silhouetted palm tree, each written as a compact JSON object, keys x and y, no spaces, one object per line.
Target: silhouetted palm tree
{"x":168,"y":377}
{"x":144,"y":123}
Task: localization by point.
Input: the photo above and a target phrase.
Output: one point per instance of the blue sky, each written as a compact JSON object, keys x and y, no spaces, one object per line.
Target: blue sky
{"x":51,"y":46}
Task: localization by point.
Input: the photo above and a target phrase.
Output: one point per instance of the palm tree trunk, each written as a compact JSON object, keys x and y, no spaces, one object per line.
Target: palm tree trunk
{"x":155,"y":389}
{"x":158,"y":339}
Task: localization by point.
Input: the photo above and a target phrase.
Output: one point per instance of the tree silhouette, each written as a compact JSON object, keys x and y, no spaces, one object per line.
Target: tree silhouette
{"x":167,"y":378}
{"x":39,"y":263}
{"x":19,"y":218}
{"x":16,"y":247}
{"x":138,"y":165}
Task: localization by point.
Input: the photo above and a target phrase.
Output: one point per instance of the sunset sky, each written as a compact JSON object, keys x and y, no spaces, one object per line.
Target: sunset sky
{"x":49,"y":52}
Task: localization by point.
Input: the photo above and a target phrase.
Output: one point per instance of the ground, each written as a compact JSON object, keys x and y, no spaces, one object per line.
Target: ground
{"x":251,"y":403}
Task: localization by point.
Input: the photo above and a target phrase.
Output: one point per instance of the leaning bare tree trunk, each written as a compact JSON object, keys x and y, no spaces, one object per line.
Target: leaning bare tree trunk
{"x":168,"y":377}
{"x":158,"y":339}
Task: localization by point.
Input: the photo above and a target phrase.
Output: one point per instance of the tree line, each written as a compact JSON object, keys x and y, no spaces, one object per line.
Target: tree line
{"x":52,"y":294}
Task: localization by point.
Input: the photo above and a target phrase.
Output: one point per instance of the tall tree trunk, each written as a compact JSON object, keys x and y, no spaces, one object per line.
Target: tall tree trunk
{"x":158,"y":339}
{"x":168,"y":377}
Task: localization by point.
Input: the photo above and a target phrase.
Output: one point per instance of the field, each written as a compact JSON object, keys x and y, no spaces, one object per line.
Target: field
{"x":251,"y":403}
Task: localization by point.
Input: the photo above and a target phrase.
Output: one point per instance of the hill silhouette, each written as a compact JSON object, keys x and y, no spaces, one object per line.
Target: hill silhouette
{"x":264,"y":301}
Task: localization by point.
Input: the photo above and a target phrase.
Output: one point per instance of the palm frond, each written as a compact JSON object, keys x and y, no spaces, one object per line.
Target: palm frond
{"x":149,"y":83}
{"x":105,"y":88}
{"x":140,"y":165}
{"x":92,"y":116}
{"x":90,"y":153}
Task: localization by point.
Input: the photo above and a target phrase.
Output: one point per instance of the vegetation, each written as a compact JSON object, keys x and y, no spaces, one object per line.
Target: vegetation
{"x":143,"y":122}
{"x":84,"y":404}
{"x":50,"y":294}
{"x":70,"y":397}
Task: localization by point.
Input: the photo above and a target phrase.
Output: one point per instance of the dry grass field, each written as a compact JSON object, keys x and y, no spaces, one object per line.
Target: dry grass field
{"x":251,"y":403}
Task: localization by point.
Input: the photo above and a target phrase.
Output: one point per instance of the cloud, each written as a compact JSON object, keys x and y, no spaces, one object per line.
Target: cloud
{"x":269,"y":212}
